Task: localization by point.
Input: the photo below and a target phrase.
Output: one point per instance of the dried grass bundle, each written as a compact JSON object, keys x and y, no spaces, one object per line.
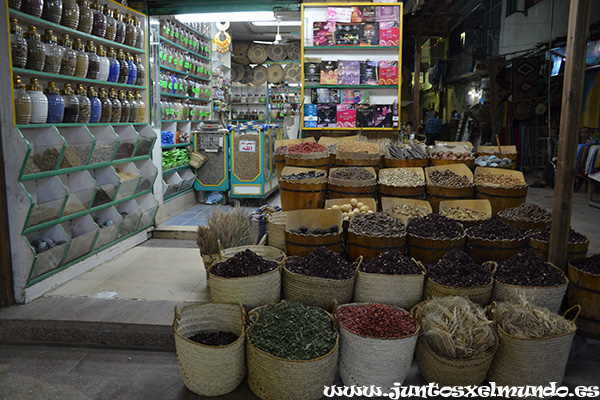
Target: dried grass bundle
{"x":455,"y":327}
{"x":230,"y":228}
{"x":525,"y":320}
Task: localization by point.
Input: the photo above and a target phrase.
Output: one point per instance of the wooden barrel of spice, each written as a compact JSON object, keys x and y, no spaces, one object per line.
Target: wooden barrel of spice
{"x":279,"y":164}
{"x":584,"y":290}
{"x":437,"y":194}
{"x":477,"y":294}
{"x":319,"y":160}
{"x":302,"y":194}
{"x":482,"y":250}
{"x":347,"y":159}
{"x":480,"y":205}
{"x":303,"y":244}
{"x":429,"y":250}
{"x":501,"y":197}
{"x":341,"y":189}
{"x":574,"y":250}
{"x":525,"y":225}
{"x":405,"y":163}
{"x":469,"y":163}
{"x":403,"y":192}
{"x":509,"y":152}
{"x":398,"y":290}
{"x":371,"y":246}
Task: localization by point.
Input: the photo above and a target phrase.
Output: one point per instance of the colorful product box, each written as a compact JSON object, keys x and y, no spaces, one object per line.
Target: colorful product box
{"x":325,"y":96}
{"x":323,"y":33}
{"x":346,"y":116}
{"x":326,"y":115}
{"x":339,"y":14}
{"x":383,"y":116}
{"x":348,"y":72}
{"x":351,"y":96}
{"x":347,"y":34}
{"x":310,"y":115}
{"x":329,"y":73}
{"x":312,"y":71}
{"x":368,"y":73}
{"x":389,"y":33}
{"x":369,"y":34}
{"x":363,"y":14}
{"x":365,"y":116}
{"x":387,"y":13}
{"x":388,"y":72}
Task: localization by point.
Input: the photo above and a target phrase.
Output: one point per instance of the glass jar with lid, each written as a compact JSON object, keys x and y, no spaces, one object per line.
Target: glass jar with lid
{"x":132,"y":75}
{"x":116,"y":106}
{"x":14,"y":4}
{"x":36,"y":53}
{"x":82,"y":59}
{"x":33,"y":7}
{"x":53,"y":52}
{"x":71,"y":112}
{"x":130,"y":31}
{"x":96,"y":104}
{"x":140,"y":38}
{"x":56,"y":104}
{"x":141,"y":71}
{"x":94,"y":60}
{"x":52,"y":10}
{"x":104,"y":64}
{"x":85,"y":105}
{"x":22,"y":102}
{"x":111,"y":23}
{"x":99,"y":20}
{"x":123,"y":67}
{"x":18,"y":45}
{"x":125,"y":106}
{"x":39,"y":102}
{"x":113,"y":72}
{"x":68,"y":60}
{"x":86,"y":17}
{"x":70,"y":14}
{"x":106,"y":114}
{"x":120,"y":33}
{"x":141,"y":107}
{"x":133,"y":107}
{"x":163,"y":28}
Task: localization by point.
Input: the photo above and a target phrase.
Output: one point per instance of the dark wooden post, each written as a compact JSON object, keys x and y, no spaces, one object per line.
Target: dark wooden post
{"x":579,"y":19}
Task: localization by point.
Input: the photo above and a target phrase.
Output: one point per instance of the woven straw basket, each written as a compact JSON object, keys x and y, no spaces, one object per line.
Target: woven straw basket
{"x":451,"y":372}
{"x":366,"y":361}
{"x":398,"y":290}
{"x":550,"y":297}
{"x":267,"y":252}
{"x":274,"y":378}
{"x":276,"y":229}
{"x":210,"y":370}
{"x":315,"y":291}
{"x":535,"y":362}
{"x":209,"y":260}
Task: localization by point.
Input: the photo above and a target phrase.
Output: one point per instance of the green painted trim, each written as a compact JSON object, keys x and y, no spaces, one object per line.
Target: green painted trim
{"x":64,"y":171}
{"x":174,"y":196}
{"x":173,"y":146}
{"x":66,"y":78}
{"x":178,"y":121}
{"x":339,"y":47}
{"x":185,"y":97}
{"x":353,"y":86}
{"x":162,"y":39}
{"x":184,"y":73}
{"x":173,"y":170}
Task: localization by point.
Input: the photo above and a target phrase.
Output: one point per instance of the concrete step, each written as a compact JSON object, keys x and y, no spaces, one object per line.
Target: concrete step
{"x":175,"y":232}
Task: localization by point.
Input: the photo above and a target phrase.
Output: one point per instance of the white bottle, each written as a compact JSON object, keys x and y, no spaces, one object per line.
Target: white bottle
{"x":104,"y":67}
{"x":39,"y":102}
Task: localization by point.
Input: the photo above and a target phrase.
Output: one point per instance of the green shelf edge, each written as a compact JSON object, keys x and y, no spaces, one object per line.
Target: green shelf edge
{"x":185,"y":97}
{"x":177,"y":121}
{"x":184,"y":73}
{"x":173,"y":196}
{"x":54,"y":77}
{"x":352,"y":86}
{"x":174,"y":146}
{"x":162,"y":39}
{"x":224,"y":66}
{"x":350,"y":47}
{"x":176,"y":169}
{"x":74,"y":33}
{"x":82,"y":213}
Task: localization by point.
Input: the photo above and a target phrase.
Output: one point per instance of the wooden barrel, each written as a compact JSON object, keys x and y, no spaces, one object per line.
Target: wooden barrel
{"x":296,"y":195}
{"x":482,"y":250}
{"x":372,"y":246}
{"x":403,"y":192}
{"x":525,"y":225}
{"x":313,"y":160}
{"x":431,"y":250}
{"x":501,"y":198}
{"x":401,"y":163}
{"x":358,"y":162}
{"x":437,"y":194}
{"x":469,"y":163}
{"x":343,"y":192}
{"x":302,"y":245}
{"x":574,"y":250}
{"x":583,"y":290}
{"x":279,"y":164}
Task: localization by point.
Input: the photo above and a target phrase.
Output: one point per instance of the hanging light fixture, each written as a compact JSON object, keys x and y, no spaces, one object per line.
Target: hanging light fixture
{"x":278,"y":36}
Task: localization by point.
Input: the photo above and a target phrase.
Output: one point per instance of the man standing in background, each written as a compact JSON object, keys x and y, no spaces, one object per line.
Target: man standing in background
{"x":433,"y":129}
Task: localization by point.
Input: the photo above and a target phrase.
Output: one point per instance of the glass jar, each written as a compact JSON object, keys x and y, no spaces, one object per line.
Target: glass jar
{"x":163,"y":28}
{"x":113,"y":72}
{"x":116,"y":106}
{"x":53,"y":52}
{"x":94,"y":60}
{"x":140,"y":39}
{"x":86,"y":17}
{"x":56,"y":104}
{"x":106,"y":115}
{"x":70,"y":14}
{"x":133,"y":107}
{"x":141,"y":108}
{"x":33,"y":7}
{"x":39,"y":102}
{"x":120,"y":33}
{"x":173,"y":86}
{"x":123,"y":67}
{"x":36,"y":54}
{"x":125,"y":106}
{"x":18,"y":45}
{"x":104,"y":69}
{"x":141,"y":71}
{"x":69,"y":56}
{"x":22,"y":102}
{"x":96,"y":105}
{"x":111,"y":24}
{"x":82,"y":59}
{"x":71,"y":113}
{"x":99,"y":23}
{"x":14,"y":4}
{"x":85,"y":105}
{"x":130,"y":31}
{"x":132,"y":75}
{"x":52,"y":10}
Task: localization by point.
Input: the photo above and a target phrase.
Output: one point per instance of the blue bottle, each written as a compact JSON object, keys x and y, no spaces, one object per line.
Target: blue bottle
{"x":132,"y":76}
{"x":96,"y":111}
{"x":174,"y":85}
{"x":114,"y":66}
{"x":56,"y":104}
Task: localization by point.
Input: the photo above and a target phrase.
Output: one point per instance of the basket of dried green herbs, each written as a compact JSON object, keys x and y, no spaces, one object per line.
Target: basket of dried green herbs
{"x":319,"y":278}
{"x":541,"y":282}
{"x":210,"y":344}
{"x":458,"y":342}
{"x":245,"y":278}
{"x":292,"y":351}
{"x":456,"y":274}
{"x":390,"y":278}
{"x":373,"y":337}
{"x":534,"y":344}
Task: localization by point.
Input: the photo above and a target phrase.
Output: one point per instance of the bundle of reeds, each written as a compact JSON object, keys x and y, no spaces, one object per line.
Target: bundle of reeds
{"x":230,"y":228}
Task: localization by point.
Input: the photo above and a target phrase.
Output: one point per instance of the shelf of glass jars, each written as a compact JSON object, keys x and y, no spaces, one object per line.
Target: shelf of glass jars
{"x":188,"y":27}
{"x":180,"y":47}
{"x":174,"y":146}
{"x":340,"y":47}
{"x":185,"y":97}
{"x":65,"y":78}
{"x":184,"y":73}
{"x":39,"y":23}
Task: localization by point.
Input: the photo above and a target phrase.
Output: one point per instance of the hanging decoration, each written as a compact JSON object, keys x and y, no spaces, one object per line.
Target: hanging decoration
{"x":222,"y":38}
